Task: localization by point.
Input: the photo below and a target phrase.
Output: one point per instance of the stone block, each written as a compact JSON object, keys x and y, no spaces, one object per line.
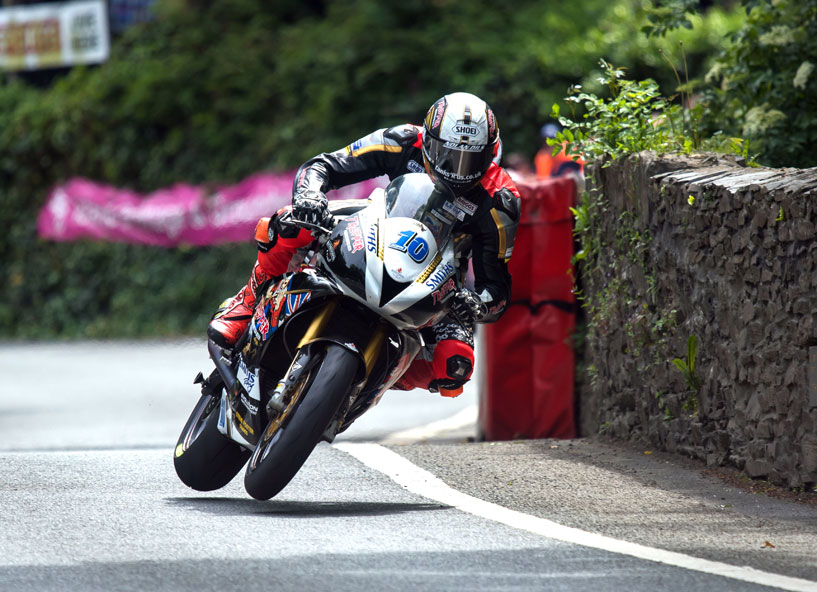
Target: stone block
{"x":812,"y":376}
{"x":771,"y":374}
{"x":802,"y":306}
{"x":715,"y":459}
{"x":765,"y":430}
{"x":696,"y":434}
{"x":722,"y":441}
{"x":753,"y":409}
{"x":731,"y":367}
{"x":771,"y":450}
{"x":671,"y":443}
{"x":791,"y":373}
{"x":781,"y":428}
{"x":803,"y":332}
{"x":757,"y":448}
{"x":757,"y":468}
{"x":769,"y":241}
{"x":747,"y":312}
{"x":784,"y":465}
{"x":756,"y":330}
{"x":804,"y":230}
{"x":760,"y":219}
{"x":752,"y":275}
{"x":808,"y":453}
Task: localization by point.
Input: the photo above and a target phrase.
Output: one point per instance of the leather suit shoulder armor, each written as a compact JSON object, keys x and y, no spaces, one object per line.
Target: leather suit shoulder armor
{"x":405,"y":134}
{"x":508,"y":203}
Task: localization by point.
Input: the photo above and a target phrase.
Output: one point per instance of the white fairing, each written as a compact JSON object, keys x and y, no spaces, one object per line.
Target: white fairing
{"x":407,"y":251}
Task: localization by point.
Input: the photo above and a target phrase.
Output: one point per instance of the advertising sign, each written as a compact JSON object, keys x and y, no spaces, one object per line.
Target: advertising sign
{"x":36,"y":36}
{"x":172,"y":216}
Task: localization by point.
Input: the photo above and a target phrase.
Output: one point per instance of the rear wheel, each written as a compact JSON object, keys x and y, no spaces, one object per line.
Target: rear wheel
{"x":312,"y":403}
{"x":204,"y":458}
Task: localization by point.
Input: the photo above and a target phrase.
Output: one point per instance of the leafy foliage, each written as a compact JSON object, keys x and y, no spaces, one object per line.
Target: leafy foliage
{"x":687,"y":366}
{"x":668,"y":15}
{"x":636,"y":117}
{"x":763,"y":86}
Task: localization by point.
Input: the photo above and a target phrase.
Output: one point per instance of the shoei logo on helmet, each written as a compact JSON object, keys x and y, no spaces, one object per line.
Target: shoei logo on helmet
{"x":466,"y":130}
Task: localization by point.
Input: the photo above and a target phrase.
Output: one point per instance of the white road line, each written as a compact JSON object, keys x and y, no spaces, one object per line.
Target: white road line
{"x":421,"y":482}
{"x":467,"y":416}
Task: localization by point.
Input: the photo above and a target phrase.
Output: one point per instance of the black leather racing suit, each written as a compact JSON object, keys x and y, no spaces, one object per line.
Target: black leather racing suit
{"x":488,"y":213}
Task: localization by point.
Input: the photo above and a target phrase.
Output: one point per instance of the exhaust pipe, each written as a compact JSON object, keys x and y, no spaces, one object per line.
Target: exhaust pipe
{"x":220,"y":359}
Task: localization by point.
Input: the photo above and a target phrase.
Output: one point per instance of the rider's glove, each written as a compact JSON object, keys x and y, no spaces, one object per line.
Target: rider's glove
{"x":468,"y":307}
{"x":311,"y":207}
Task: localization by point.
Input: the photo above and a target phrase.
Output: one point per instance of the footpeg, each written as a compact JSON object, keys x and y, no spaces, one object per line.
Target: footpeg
{"x":210,"y":386}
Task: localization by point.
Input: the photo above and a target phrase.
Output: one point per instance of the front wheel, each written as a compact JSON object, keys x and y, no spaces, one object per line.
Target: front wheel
{"x":289,"y":439}
{"x":204,"y":458}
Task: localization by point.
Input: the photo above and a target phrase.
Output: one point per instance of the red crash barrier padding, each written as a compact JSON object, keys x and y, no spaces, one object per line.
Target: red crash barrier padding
{"x":526,"y":382}
{"x":540,"y":264}
{"x":527,"y":389}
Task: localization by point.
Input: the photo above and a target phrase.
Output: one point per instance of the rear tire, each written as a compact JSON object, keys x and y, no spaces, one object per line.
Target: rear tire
{"x":282,"y":450}
{"x":204,"y":458}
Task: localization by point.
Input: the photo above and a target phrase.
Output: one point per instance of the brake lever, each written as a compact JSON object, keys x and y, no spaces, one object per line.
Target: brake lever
{"x":290,"y":221}
{"x":310,"y":226}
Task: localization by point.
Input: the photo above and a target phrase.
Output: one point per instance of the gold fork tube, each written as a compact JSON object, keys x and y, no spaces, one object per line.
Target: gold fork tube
{"x":318,"y":323}
{"x":373,"y":349}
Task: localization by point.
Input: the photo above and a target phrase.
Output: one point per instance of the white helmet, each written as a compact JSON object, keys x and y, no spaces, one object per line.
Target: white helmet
{"x":460,"y":135}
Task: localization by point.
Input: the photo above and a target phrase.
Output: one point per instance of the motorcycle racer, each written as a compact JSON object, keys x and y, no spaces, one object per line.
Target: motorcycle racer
{"x":458,"y":145}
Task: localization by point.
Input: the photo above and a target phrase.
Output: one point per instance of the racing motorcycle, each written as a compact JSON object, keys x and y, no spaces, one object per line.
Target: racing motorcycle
{"x":326,"y":342}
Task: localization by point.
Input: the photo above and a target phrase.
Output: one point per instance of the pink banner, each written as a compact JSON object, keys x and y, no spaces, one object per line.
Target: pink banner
{"x":181,"y":214}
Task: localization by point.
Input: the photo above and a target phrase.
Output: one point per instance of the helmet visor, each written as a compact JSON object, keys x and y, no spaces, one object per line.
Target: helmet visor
{"x":456,"y":163}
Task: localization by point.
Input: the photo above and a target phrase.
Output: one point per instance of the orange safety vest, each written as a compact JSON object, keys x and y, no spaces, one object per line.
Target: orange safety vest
{"x":548,"y":165}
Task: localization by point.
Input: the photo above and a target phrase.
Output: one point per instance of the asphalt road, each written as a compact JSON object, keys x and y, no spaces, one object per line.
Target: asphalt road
{"x":89,"y":499}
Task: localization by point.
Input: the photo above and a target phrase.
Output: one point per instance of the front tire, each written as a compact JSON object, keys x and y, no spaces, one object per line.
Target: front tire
{"x":204,"y":458}
{"x":289,"y":440}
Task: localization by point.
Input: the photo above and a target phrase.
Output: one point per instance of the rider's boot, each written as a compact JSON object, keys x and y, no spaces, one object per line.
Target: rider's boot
{"x":234,"y":314}
{"x":277,"y":248}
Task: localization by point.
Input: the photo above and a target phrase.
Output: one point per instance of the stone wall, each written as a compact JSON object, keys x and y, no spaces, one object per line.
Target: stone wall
{"x":683,"y":246}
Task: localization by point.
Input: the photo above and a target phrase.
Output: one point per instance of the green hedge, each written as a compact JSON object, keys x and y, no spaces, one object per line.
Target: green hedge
{"x":764,"y":85}
{"x":215,"y":91}
{"x":170,"y":105}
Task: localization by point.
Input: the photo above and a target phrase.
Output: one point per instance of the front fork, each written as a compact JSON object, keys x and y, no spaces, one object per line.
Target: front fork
{"x":331,"y":324}
{"x":240,"y":417}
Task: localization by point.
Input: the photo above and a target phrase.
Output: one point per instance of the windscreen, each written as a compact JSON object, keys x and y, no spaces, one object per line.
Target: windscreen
{"x":416,"y":196}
